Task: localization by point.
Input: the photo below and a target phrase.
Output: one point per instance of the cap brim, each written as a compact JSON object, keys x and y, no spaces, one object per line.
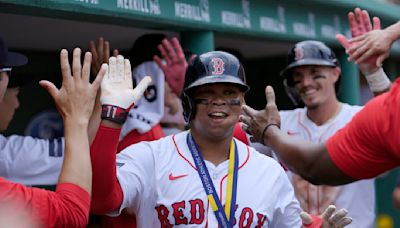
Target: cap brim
{"x":15,"y":59}
{"x":212,"y":79}
{"x":306,"y":62}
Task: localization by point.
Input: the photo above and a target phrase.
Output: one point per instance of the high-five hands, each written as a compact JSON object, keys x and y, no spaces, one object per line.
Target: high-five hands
{"x":360,"y":26}
{"x":75,"y":99}
{"x":117,"y":86}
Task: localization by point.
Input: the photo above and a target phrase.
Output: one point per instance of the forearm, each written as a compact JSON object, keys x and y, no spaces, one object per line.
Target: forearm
{"x":393,"y":31}
{"x":76,"y":167}
{"x":95,"y":119}
{"x":309,"y":160}
{"x":107,"y":193}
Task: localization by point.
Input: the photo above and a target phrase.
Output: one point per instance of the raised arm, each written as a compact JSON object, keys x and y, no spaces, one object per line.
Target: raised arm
{"x":69,"y":205}
{"x":117,"y":97}
{"x":307,"y":159}
{"x":360,"y":24}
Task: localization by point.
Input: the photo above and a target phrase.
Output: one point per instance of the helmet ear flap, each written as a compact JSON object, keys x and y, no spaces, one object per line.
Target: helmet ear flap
{"x":293,"y":96}
{"x":189,"y":108}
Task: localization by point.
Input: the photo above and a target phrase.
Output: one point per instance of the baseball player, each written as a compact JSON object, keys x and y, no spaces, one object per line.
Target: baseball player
{"x":366,"y":147}
{"x":202,"y":177}
{"x":69,"y":205}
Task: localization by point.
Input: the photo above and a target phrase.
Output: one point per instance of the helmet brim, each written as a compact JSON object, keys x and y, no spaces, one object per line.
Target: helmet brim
{"x":213,"y":79}
{"x":305,"y":62}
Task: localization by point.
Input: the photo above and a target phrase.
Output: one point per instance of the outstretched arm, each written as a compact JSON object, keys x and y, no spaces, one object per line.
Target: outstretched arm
{"x":69,"y":205}
{"x":309,"y":160}
{"x":117,"y":97}
{"x":360,"y":24}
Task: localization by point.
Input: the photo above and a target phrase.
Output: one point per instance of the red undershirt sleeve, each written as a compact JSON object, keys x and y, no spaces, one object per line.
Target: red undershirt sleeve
{"x":68,"y":206}
{"x":107,"y":194}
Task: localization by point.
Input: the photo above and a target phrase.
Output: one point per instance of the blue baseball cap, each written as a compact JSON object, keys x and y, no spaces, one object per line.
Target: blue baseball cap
{"x":10,"y":59}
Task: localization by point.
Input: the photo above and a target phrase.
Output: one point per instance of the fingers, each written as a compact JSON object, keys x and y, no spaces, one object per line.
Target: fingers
{"x":164,"y":53}
{"x":170,"y":50}
{"x":353,"y":25}
{"x":86,"y":67}
{"x":159,"y":62}
{"x":343,"y":41}
{"x":106,"y":50}
{"x":249,"y":112}
{"x":76,"y":64}
{"x":115,"y":52}
{"x":178,"y":48}
{"x":100,"y":76}
{"x":305,"y":218}
{"x":270,"y":95}
{"x":366,"y":21}
{"x":95,"y":56}
{"x":344,"y":222}
{"x":112,"y":67}
{"x":140,"y":88}
{"x":50,"y":87}
{"x":357,"y":50}
{"x":128,"y":72}
{"x":328,"y":212}
{"x":339,"y":215}
{"x":377,"y":23}
{"x":65,"y":67}
{"x":243,"y":126}
{"x":380,"y":60}
{"x":100,"y":48}
{"x":120,"y":74}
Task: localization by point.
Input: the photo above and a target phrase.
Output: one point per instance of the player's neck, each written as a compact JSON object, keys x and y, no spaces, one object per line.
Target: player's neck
{"x":324,"y":112}
{"x":214,"y":151}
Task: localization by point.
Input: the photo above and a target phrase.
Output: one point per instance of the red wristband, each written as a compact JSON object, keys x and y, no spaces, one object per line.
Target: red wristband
{"x":114,"y":113}
{"x":316,"y":222}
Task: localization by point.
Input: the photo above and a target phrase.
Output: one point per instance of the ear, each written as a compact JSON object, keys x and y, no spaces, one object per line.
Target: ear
{"x":336,"y":74}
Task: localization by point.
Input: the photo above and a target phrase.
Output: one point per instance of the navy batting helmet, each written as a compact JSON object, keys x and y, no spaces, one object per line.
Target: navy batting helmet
{"x":210,"y":68}
{"x":305,"y":53}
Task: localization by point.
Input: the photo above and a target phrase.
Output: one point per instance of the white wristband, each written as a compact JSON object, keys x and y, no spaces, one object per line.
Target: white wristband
{"x":378,"y":81}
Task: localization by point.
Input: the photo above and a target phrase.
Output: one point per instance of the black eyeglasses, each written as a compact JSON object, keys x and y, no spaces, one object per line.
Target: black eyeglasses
{"x":7,"y":70}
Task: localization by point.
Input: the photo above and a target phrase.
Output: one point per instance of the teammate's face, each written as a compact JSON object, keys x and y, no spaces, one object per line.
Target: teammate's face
{"x":315,"y":84}
{"x":8,"y":106}
{"x":217,"y":110}
{"x":3,"y":84}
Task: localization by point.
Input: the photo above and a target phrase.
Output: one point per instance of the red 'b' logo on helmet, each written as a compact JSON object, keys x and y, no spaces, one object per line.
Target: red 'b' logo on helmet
{"x":218,"y":65}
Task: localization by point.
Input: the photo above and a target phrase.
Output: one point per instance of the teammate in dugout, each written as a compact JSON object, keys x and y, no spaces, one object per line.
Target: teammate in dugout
{"x":186,"y":179}
{"x":312,"y":78}
{"x":366,"y":147}
{"x":69,"y":205}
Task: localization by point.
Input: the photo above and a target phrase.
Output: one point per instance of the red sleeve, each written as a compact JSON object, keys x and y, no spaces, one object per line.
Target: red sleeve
{"x":68,"y":206}
{"x":107,"y":194}
{"x":362,"y":149}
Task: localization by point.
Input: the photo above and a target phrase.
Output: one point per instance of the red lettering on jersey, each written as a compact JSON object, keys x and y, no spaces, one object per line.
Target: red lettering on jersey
{"x":260,"y":220}
{"x":197,"y":211}
{"x":246,"y":216}
{"x":163,"y":212}
{"x":218,"y":65}
{"x":178,"y":213}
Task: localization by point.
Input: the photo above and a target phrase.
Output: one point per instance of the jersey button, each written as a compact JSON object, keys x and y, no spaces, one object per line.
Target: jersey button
{"x":215,"y":176}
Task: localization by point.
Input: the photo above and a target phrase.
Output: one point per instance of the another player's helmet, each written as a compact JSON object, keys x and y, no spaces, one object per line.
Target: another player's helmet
{"x":209,"y":68}
{"x":305,"y":53}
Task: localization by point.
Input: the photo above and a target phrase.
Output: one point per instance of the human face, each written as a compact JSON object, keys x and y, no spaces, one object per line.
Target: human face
{"x":217,"y":110}
{"x":8,"y":106}
{"x":315,"y":84}
{"x":3,"y":82}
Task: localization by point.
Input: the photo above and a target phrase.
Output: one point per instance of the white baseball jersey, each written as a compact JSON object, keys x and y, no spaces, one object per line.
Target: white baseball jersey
{"x":31,"y":161}
{"x":160,"y":183}
{"x":358,"y":197}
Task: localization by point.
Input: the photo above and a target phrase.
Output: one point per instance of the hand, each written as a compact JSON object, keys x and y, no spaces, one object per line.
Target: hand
{"x":175,"y":64}
{"x":76,"y":97}
{"x":117,"y":86}
{"x":255,"y":122}
{"x":328,"y":219}
{"x":360,"y":24}
{"x":101,"y":53}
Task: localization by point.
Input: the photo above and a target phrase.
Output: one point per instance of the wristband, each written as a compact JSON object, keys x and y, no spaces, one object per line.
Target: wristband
{"x":114,"y":113}
{"x":317,"y":222}
{"x":378,"y":81}
{"x":265,"y":129}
